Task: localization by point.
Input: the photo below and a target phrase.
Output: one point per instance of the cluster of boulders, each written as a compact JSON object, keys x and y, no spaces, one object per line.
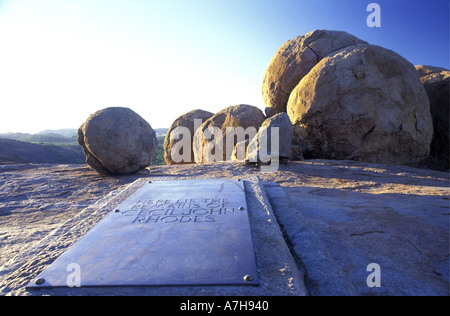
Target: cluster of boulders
{"x":232,"y":134}
{"x":327,"y":94}
{"x":348,"y":99}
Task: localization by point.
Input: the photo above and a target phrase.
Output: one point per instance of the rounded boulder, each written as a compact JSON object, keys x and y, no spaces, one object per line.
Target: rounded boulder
{"x":172,"y":138}
{"x":117,"y":140}
{"x":294,"y":59}
{"x":436,"y":81}
{"x":216,"y":138}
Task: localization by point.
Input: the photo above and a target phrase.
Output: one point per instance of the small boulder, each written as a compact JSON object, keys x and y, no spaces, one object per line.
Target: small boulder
{"x":262,"y":148}
{"x":240,"y":151}
{"x":235,"y":124}
{"x":436,"y":81}
{"x":362,"y":103}
{"x":117,"y":140}
{"x":294,"y":60}
{"x":172,"y":138}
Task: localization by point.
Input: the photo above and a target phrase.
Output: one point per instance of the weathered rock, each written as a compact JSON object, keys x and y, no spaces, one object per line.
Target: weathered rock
{"x":268,"y":135}
{"x":294,"y":60}
{"x":428,"y":70}
{"x":187,"y":121}
{"x":363,"y":103}
{"x":210,"y":141}
{"x":117,"y":140}
{"x":437,"y":84}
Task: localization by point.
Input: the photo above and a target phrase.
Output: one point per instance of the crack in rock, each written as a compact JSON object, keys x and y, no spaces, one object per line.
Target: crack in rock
{"x":369,"y":232}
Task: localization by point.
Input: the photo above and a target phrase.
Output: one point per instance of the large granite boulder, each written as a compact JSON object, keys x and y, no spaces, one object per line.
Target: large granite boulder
{"x":294,"y":60}
{"x":436,"y":81}
{"x":235,"y":123}
{"x":175,"y":136}
{"x":363,"y":103}
{"x":117,"y":140}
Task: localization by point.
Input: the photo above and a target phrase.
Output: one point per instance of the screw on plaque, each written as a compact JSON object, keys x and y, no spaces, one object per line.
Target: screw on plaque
{"x":117,"y":211}
{"x":241,"y":208}
{"x":248,"y":278}
{"x":39,"y":281}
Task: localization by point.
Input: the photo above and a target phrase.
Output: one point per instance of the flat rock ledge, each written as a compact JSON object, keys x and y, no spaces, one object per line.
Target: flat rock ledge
{"x":316,"y":225}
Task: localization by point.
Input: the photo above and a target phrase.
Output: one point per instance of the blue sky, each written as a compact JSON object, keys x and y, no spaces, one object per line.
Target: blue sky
{"x":61,"y":60}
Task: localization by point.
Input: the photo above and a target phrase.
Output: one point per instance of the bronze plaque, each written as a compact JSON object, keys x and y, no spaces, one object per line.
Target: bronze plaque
{"x":192,"y":232}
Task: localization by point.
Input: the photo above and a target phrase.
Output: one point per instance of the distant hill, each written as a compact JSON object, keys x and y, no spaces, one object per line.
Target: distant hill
{"x":49,"y":146}
{"x":13,"y":151}
{"x":66,"y":132}
{"x":39,"y":138}
{"x":161,"y":131}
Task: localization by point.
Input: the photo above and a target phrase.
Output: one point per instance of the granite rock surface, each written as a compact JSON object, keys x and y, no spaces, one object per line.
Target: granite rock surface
{"x":336,"y":217}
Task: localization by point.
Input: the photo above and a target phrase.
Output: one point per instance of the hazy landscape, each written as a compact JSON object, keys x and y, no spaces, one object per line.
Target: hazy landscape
{"x":54,"y":147}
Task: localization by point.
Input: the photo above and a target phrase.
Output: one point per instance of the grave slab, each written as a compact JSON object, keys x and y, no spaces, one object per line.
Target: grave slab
{"x":192,"y":232}
{"x":261,"y":262}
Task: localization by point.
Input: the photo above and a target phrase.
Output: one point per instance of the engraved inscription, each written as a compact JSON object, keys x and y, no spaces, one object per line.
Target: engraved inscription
{"x":179,"y":210}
